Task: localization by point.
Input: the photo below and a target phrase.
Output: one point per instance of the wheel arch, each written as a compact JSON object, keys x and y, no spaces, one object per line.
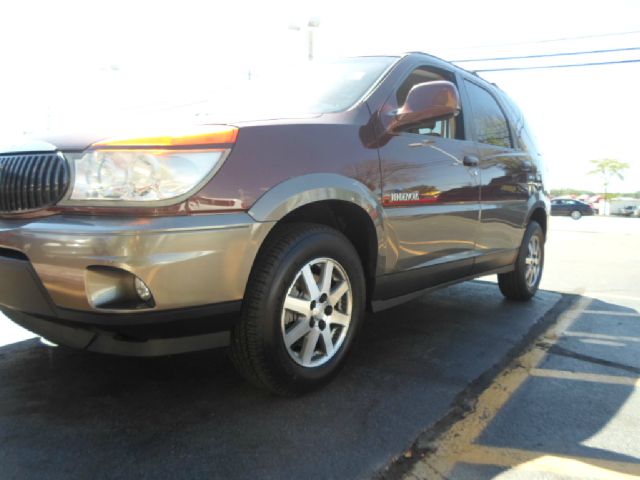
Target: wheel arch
{"x":336,"y":201}
{"x":540,"y":215}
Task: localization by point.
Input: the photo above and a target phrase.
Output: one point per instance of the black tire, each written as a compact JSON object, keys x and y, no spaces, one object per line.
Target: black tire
{"x":514,"y":284}
{"x":576,"y":214}
{"x":258,"y":348}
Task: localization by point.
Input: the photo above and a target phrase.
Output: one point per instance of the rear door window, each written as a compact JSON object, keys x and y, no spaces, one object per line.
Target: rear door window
{"x":489,"y":121}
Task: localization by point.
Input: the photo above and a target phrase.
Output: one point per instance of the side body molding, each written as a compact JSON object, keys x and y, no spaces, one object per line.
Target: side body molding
{"x":317,"y":187}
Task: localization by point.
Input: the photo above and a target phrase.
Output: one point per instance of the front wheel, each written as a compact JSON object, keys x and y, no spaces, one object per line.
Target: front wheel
{"x":522,"y":283}
{"x":576,"y":214}
{"x":302,"y":308}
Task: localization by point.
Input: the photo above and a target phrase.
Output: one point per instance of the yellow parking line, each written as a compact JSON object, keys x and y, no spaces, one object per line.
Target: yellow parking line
{"x":545,"y":462}
{"x":600,"y":336}
{"x":585,"y":377}
{"x":452,"y":445}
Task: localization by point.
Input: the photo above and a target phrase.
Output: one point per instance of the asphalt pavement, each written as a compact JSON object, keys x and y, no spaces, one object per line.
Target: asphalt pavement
{"x":567,"y":406}
{"x":546,"y":389}
{"x":68,"y":414}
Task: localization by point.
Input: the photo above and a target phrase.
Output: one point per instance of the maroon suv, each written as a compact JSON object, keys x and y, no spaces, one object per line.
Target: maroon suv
{"x":347,"y":186}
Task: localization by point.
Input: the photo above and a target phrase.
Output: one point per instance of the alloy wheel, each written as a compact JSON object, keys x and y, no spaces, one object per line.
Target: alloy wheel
{"x":533,"y":261}
{"x":316,"y":313}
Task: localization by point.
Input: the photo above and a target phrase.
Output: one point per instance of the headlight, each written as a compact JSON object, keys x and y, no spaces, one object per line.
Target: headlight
{"x":150,"y":169}
{"x":140,"y":175}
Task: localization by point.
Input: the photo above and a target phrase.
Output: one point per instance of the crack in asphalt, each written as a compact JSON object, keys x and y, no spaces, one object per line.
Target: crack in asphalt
{"x":565,"y":352}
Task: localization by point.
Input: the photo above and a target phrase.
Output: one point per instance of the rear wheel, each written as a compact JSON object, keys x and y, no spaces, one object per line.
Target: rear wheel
{"x":522,"y":283}
{"x":576,"y":214}
{"x":302,"y":308}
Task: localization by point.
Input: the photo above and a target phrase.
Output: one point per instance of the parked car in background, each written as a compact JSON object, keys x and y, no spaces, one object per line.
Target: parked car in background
{"x":389,"y":177}
{"x":570,"y":208}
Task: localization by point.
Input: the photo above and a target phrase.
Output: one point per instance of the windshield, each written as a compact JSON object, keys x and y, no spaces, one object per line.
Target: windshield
{"x":233,"y":95}
{"x":313,"y":88}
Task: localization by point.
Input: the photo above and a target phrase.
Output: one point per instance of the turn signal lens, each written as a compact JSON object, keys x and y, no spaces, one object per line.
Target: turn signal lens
{"x":194,"y":137}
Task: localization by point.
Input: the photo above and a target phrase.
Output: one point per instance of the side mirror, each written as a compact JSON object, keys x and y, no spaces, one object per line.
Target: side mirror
{"x":426,"y":102}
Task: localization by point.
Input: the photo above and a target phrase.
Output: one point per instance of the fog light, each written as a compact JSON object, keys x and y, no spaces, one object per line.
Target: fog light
{"x":116,"y":289}
{"x":142,"y":290}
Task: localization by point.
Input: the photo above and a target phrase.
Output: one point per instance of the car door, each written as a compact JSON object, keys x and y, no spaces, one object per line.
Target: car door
{"x":573,"y":206}
{"x":563,"y":207}
{"x":505,"y":174}
{"x":429,"y":196}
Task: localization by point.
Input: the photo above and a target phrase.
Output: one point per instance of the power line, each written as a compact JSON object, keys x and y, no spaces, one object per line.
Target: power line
{"x":520,"y":57}
{"x":552,"y":40}
{"x":508,"y":69}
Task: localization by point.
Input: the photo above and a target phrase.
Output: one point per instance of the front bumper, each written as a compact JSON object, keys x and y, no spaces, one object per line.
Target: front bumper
{"x":193,"y":265}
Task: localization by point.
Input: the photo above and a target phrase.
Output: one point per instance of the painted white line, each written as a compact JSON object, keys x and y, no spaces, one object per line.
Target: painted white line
{"x":614,"y":295}
{"x":600,"y":336}
{"x":586,"y":377}
{"x":612,"y":313}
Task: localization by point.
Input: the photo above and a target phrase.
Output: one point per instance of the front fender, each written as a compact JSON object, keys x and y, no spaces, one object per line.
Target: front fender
{"x":307,"y":189}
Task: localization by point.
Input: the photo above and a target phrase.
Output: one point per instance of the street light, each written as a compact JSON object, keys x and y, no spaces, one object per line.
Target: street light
{"x":312,"y":24}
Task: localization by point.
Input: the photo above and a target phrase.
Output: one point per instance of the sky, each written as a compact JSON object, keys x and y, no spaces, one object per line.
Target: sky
{"x":68,"y":64}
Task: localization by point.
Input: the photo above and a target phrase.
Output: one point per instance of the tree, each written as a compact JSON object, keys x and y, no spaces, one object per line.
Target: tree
{"x":608,"y":168}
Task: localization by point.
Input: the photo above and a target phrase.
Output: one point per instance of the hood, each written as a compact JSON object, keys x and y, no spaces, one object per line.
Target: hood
{"x":82,"y":139}
{"x":49,"y":143}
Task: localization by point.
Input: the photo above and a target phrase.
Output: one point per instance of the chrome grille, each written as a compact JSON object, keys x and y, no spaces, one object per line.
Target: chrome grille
{"x":32,"y":181}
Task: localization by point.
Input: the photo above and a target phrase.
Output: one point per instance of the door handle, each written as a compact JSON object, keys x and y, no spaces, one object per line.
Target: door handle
{"x":470,"y":161}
